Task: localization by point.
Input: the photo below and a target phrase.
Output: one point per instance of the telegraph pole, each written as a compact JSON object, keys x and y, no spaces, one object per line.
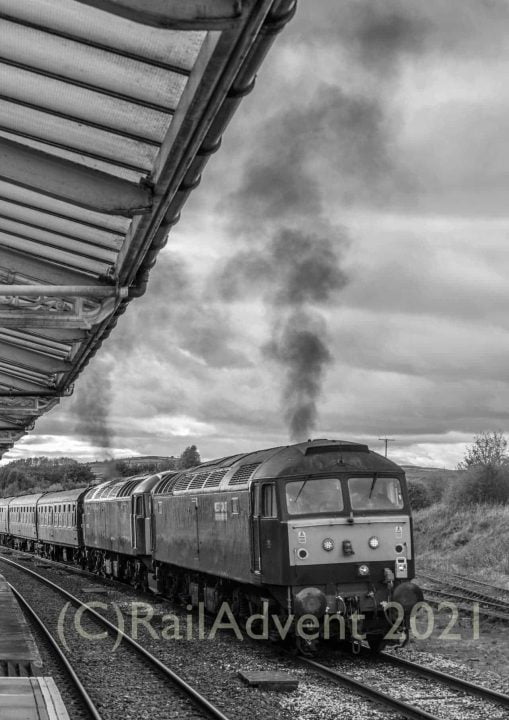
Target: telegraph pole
{"x":386,"y":441}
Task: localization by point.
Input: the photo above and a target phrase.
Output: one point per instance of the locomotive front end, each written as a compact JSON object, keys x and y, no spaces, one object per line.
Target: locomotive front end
{"x":349,"y":561}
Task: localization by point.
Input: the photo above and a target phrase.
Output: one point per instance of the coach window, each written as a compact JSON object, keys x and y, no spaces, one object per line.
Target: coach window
{"x":235,"y":506}
{"x":269,"y":501}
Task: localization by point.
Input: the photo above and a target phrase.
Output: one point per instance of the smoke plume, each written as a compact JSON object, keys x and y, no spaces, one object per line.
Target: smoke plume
{"x":299,"y":346}
{"x":91,"y":404}
{"x":297,"y":273}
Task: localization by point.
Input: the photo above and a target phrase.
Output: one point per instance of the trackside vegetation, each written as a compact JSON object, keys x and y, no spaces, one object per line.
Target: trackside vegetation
{"x":465,"y":527}
{"x":471,"y":540}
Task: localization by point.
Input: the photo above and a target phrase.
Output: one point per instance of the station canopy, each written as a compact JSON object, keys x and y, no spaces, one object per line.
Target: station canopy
{"x":109,"y":110}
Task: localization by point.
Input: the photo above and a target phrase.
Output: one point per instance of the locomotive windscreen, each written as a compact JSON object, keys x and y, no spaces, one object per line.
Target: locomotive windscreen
{"x":375,"y":493}
{"x":314,"y":496}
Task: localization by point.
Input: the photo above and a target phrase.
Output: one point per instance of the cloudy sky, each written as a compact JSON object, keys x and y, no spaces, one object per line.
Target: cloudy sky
{"x":342,"y":270}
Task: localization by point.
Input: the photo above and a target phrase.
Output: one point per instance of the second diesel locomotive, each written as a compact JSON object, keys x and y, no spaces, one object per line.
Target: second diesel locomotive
{"x":316,"y":530}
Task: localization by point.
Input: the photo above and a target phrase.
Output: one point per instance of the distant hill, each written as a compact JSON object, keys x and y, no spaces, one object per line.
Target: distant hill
{"x":106,"y":469}
{"x":414,"y":473}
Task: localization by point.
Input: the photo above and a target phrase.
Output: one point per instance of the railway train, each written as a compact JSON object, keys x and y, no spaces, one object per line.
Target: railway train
{"x":315,"y":530}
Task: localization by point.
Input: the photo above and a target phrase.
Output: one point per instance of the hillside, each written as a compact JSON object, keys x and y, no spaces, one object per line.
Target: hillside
{"x":472,"y":540}
{"x":415,"y":473}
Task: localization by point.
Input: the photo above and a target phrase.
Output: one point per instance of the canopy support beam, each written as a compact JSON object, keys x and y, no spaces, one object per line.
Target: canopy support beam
{"x":175,"y":14}
{"x":77,"y":184}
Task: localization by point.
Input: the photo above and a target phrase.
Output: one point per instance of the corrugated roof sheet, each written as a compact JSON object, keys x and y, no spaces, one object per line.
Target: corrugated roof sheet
{"x":109,"y":110}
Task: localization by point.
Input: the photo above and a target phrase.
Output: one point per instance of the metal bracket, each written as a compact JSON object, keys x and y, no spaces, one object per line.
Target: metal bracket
{"x":57,"y":306}
{"x":22,"y":406}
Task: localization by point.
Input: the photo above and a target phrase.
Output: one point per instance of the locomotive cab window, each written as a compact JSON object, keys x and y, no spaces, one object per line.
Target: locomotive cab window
{"x":319,"y":495}
{"x":375,"y":493}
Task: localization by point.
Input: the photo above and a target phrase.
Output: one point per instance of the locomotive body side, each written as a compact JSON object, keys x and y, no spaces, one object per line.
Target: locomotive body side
{"x":205,"y":532}
{"x":117,"y":522}
{"x":203,"y":526}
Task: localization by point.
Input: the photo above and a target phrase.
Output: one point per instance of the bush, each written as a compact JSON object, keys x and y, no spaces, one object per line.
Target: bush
{"x":418,"y":496}
{"x":480,"y":484}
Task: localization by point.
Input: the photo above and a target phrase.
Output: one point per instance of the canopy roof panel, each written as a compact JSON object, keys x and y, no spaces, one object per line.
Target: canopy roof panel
{"x":109,"y":110}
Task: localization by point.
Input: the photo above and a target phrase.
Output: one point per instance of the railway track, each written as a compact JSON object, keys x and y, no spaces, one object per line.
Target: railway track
{"x":134,"y":667}
{"x":496,"y":590}
{"x":457,"y":704}
{"x":466,"y":590}
{"x":71,"y":676}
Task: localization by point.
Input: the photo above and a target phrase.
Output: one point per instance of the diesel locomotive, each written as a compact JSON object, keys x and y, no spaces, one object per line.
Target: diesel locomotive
{"x":314,"y":531}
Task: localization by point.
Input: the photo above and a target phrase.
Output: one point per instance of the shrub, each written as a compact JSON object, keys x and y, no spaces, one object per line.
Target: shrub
{"x":418,"y":496}
{"x":480,"y":484}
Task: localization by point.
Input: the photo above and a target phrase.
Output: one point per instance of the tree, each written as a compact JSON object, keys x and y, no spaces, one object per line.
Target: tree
{"x":480,"y":484}
{"x":485,"y":476}
{"x":190,"y":457}
{"x":489,"y":449}
{"x":28,"y":474}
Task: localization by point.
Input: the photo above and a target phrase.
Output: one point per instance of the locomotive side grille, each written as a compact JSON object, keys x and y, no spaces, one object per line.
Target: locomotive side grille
{"x":215,"y":478}
{"x":243,"y":474}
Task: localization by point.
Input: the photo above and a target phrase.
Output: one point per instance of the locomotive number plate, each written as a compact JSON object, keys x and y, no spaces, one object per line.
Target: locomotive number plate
{"x":221,"y":510}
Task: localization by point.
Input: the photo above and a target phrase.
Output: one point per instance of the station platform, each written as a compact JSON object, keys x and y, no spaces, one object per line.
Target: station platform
{"x":19,"y":656}
{"x":35,"y":698}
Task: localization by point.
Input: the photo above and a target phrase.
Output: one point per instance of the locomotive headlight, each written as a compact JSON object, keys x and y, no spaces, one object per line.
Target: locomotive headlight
{"x":373,"y":542}
{"x":363,"y":570}
{"x":328,"y":544}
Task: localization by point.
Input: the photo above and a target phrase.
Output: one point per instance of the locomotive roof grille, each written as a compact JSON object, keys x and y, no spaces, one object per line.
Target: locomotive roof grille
{"x":128,"y":488}
{"x":197,"y":481}
{"x":215,"y":478}
{"x":166,"y":484}
{"x":321,"y":449}
{"x":243,"y":474}
{"x":182,"y":482}
{"x":113,"y":490}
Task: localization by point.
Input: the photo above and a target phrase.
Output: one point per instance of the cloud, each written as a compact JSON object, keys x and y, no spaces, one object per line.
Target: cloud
{"x":176,"y":315}
{"x":357,"y":209}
